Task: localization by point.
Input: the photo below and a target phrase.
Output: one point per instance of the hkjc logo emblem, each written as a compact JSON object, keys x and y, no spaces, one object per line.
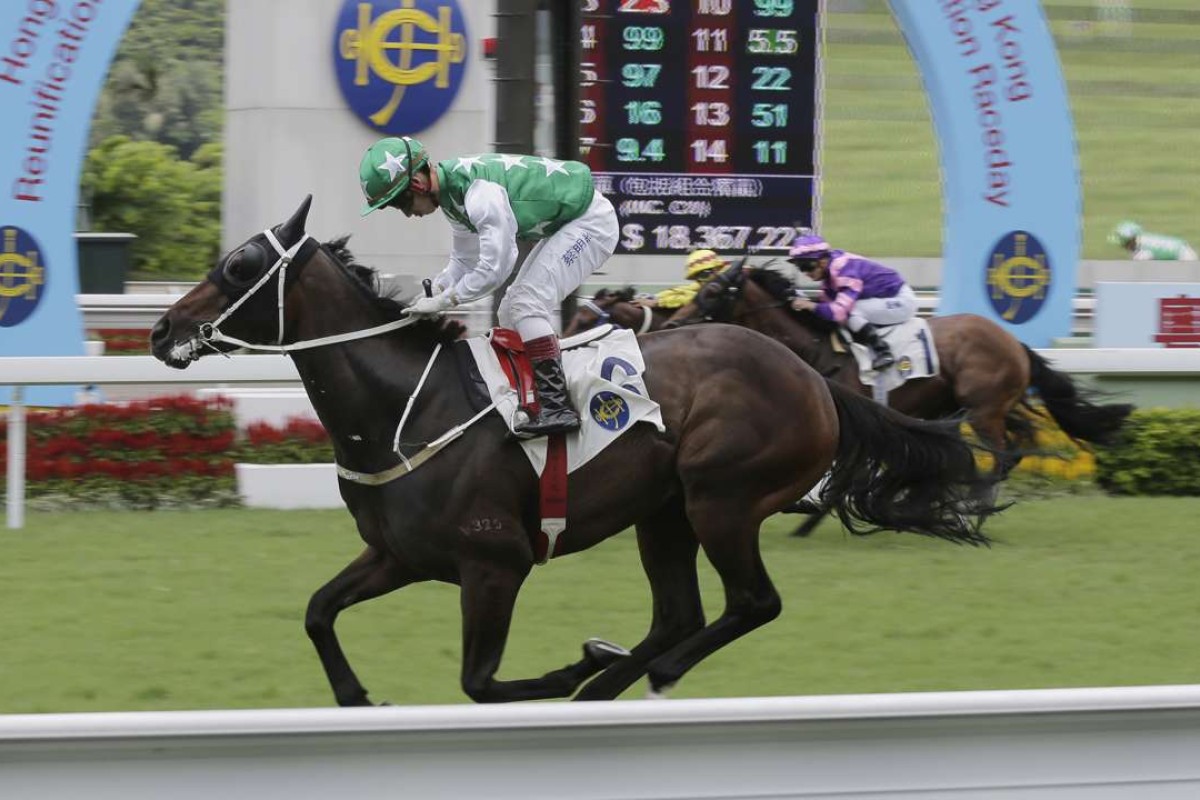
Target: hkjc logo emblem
{"x":400,"y":62}
{"x":22,"y":277}
{"x":610,"y":410}
{"x":1018,"y":277}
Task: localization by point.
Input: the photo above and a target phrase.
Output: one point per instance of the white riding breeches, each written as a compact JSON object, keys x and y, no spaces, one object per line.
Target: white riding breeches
{"x":556,"y":267}
{"x":883,"y":310}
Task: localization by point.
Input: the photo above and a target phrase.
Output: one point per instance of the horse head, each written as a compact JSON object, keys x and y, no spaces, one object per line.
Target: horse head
{"x":716,"y":300}
{"x":243,"y":294}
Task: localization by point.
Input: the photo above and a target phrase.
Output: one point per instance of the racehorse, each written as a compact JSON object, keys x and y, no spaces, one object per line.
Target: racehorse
{"x":466,"y":514}
{"x":617,"y":307}
{"x":985,"y":371}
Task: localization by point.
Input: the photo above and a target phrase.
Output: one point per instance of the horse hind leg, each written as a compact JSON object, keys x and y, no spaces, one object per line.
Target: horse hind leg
{"x":371,"y":574}
{"x":668,"y":549}
{"x":730,"y":540}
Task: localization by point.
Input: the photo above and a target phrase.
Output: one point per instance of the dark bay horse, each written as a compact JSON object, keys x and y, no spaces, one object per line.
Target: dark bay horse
{"x":750,"y":427}
{"x":618,"y":308}
{"x":985,"y":371}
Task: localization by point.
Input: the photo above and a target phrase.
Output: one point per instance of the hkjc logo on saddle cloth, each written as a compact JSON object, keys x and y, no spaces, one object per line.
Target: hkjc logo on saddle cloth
{"x":22,"y":276}
{"x":1018,"y":277}
{"x":400,"y":62}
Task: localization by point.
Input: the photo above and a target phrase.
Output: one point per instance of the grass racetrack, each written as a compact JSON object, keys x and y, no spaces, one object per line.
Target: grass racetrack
{"x":1134,"y":90}
{"x":191,"y":610}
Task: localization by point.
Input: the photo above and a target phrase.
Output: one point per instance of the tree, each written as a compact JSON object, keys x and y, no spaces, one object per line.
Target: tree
{"x":172,"y":205}
{"x":166,"y":80}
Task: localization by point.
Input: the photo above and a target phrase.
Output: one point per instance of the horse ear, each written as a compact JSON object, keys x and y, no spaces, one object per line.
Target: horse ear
{"x":291,"y":231}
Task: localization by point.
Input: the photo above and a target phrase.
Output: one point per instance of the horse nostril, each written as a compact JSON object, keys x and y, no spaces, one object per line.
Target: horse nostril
{"x":160,"y":332}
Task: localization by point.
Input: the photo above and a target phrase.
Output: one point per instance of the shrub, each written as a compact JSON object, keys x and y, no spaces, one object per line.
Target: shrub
{"x":300,"y":441}
{"x":164,"y":452}
{"x":1158,"y":454}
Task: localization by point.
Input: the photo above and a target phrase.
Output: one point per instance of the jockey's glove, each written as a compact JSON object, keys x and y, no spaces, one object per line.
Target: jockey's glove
{"x":432,"y":306}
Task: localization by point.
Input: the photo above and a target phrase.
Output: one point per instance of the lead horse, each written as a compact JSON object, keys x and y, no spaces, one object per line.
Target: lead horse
{"x":467,"y":515}
{"x":986,"y":372}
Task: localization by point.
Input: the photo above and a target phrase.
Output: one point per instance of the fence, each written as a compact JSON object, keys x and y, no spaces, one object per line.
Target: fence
{"x":1056,"y":744}
{"x":258,"y":369}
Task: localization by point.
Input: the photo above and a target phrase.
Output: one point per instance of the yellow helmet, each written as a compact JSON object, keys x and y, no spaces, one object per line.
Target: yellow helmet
{"x":700,"y":262}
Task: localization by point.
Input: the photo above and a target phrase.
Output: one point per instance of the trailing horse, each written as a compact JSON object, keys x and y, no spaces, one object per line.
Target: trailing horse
{"x":986,"y":372}
{"x":618,"y":308}
{"x":749,"y":428}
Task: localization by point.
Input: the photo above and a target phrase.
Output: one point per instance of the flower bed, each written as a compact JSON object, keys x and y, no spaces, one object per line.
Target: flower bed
{"x":123,"y":341}
{"x":169,"y":452}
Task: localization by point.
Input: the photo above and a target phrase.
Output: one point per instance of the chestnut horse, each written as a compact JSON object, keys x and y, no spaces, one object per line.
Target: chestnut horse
{"x":618,"y":308}
{"x":986,"y":372}
{"x":750,"y":427}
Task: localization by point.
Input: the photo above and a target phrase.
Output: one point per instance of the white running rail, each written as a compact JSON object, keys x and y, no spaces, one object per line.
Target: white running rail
{"x":250,"y":369}
{"x":1139,"y":743}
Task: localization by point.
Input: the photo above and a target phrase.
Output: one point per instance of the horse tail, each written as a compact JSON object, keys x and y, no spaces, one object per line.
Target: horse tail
{"x":895,"y":472}
{"x":1072,"y":407}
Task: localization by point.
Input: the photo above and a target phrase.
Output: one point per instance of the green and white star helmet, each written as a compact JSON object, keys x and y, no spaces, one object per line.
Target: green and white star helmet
{"x":1126,"y":231}
{"x":387,"y":168}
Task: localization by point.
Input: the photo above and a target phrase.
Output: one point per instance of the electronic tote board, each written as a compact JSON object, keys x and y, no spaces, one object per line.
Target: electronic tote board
{"x":699,"y":120}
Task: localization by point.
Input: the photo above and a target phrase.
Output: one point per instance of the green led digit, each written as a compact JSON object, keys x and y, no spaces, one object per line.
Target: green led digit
{"x":773,"y":8}
{"x":640,"y":76}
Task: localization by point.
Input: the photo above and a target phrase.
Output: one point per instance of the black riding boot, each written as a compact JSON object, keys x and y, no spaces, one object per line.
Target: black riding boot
{"x":869,"y":335}
{"x":557,"y":414}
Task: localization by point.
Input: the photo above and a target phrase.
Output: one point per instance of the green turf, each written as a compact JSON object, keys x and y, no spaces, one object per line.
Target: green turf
{"x":1135,"y":100}
{"x":177,"y":610}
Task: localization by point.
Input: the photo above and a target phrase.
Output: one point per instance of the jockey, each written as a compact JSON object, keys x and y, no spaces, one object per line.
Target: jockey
{"x":491,"y":201}
{"x":701,"y":265}
{"x":857,"y":293}
{"x":1147,"y":246}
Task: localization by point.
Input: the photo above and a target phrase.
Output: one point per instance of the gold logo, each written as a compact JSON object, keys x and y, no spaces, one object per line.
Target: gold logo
{"x":20,"y":274}
{"x":1017,"y":277}
{"x":370,"y":46}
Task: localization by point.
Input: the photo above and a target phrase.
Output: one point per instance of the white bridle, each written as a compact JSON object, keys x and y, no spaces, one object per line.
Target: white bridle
{"x":209,"y":333}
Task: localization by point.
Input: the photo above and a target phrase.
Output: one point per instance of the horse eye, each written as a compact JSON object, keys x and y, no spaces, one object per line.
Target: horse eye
{"x":243,"y":266}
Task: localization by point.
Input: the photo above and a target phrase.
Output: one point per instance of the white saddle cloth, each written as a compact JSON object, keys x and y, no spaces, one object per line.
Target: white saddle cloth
{"x":912,"y":345}
{"x":604,"y":375}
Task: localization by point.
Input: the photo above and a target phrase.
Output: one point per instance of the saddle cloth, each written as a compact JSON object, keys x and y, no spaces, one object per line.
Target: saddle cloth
{"x":604,"y":374}
{"x":912,"y":345}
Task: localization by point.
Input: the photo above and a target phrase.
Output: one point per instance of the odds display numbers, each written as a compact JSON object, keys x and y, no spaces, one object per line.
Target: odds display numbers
{"x":699,"y":119}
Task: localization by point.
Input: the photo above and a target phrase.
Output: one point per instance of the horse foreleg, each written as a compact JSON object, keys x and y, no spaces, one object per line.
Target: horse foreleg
{"x":372,"y":574}
{"x":668,"y":548}
{"x":489,"y":593}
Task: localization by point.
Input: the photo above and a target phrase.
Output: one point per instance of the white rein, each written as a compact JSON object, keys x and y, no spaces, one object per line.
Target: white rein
{"x":210,"y":334}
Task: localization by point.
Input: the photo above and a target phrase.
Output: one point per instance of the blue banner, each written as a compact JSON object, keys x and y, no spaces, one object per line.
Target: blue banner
{"x":54,"y":57}
{"x":1009,"y":168}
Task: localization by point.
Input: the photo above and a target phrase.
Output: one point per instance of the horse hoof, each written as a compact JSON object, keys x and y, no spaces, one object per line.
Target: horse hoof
{"x":802,"y":506}
{"x":604,"y":653}
{"x":659,"y":693}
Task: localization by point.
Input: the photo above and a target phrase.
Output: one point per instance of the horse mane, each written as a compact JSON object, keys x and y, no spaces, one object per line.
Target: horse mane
{"x":773,"y":283}
{"x":780,"y":287}
{"x":367,"y":280}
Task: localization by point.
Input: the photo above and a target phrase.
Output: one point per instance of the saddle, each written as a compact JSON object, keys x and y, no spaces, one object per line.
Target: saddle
{"x":911,"y":343}
{"x":603,"y":368}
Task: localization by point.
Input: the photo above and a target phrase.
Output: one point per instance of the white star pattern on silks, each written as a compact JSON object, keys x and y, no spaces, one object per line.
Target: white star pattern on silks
{"x":467,"y":162}
{"x":540,"y":228}
{"x":392,"y":165}
{"x":552,"y":166}
{"x":513,"y":161}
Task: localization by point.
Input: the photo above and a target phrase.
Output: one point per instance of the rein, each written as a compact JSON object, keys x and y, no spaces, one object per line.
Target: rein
{"x":210,"y":333}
